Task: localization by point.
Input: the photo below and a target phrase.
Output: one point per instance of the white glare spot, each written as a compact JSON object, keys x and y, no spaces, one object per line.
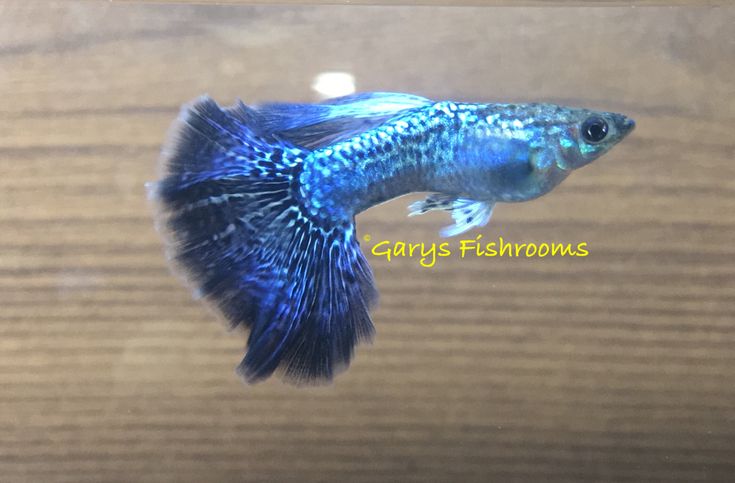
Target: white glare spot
{"x":334,"y":84}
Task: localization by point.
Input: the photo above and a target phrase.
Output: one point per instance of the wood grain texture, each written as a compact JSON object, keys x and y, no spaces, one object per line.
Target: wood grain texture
{"x":615,"y":367}
{"x":458,"y":3}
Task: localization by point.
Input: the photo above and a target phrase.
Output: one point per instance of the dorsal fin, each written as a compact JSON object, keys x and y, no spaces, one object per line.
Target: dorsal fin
{"x":316,"y":125}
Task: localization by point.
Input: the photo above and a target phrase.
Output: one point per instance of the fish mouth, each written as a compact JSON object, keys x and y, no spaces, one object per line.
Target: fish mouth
{"x":624,"y":124}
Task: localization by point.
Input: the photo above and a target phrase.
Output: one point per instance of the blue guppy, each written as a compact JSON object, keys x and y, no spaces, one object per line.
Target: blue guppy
{"x":258,"y":203}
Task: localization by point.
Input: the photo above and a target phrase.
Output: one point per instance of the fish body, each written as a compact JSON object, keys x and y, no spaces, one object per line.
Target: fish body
{"x":258,"y":202}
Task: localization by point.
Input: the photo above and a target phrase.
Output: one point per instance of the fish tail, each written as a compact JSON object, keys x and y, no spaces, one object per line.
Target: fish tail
{"x":229,"y":206}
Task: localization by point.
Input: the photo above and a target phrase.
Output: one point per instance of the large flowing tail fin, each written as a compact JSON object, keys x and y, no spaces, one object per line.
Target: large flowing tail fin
{"x":229,"y":206}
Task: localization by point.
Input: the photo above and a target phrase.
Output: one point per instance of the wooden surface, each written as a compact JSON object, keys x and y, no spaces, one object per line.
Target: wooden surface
{"x":615,"y":367}
{"x":456,"y":3}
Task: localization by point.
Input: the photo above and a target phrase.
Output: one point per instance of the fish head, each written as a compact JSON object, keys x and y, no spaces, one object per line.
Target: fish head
{"x":564,"y":139}
{"x":583,"y":135}
{"x":524,"y":151}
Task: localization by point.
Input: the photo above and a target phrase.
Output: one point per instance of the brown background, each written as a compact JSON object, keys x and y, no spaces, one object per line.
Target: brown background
{"x":615,"y":367}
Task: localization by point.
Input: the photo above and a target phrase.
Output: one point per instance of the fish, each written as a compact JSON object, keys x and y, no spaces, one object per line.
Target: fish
{"x":257,"y":203}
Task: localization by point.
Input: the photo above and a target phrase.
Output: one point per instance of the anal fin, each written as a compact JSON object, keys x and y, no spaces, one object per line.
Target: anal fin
{"x":466,"y":213}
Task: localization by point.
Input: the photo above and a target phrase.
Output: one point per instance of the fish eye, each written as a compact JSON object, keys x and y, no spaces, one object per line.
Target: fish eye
{"x":594,"y":129}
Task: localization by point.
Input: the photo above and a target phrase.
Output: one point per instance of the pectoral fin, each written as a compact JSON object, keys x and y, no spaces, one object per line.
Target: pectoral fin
{"x":466,"y":213}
